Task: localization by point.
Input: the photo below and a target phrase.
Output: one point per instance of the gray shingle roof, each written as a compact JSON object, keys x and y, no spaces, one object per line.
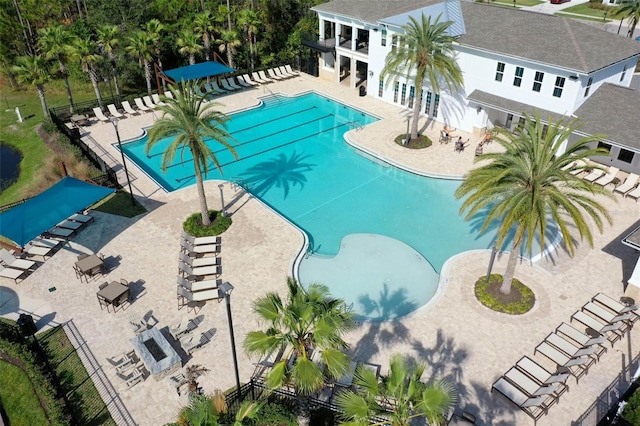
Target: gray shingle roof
{"x":548,"y":39}
{"x":372,"y":10}
{"x":611,"y":101}
{"x":509,"y":105}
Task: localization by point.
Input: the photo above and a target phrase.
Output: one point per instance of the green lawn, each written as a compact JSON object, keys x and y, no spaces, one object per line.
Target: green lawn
{"x":584,"y":9}
{"x":518,"y":2}
{"x":119,"y":203}
{"x":84,"y":400}
{"x":18,"y":399}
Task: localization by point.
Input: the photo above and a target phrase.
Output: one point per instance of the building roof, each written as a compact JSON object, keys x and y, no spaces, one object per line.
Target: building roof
{"x":548,"y":39}
{"x":612,"y":101}
{"x":372,"y":11}
{"x":510,"y":106}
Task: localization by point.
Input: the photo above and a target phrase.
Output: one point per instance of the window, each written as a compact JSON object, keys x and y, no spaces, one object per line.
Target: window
{"x":383,"y":40}
{"x":500,"y":71}
{"x":517,"y":79}
{"x":537,"y":81}
{"x":626,"y":156}
{"x":427,"y":104}
{"x":404,"y":94}
{"x":436,"y":104}
{"x":395,"y":42}
{"x":557,"y":91}
{"x":605,"y":146}
{"x":412,"y":94}
{"x":586,"y":91}
{"x":509,"y":121}
{"x":396,"y":86}
{"x":380,"y":88}
{"x":521,"y":122}
{"x":545,"y":129}
{"x":624,"y":72}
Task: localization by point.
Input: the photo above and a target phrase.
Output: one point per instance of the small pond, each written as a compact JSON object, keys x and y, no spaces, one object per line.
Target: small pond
{"x":9,"y":166}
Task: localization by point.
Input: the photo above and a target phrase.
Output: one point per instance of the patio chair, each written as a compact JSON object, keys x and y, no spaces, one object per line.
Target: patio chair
{"x":132,"y":378}
{"x":148,"y":102}
{"x":99,"y":115}
{"x":571,"y":349}
{"x":169,"y":94}
{"x":194,"y":250}
{"x":210,"y":89}
{"x":32,"y":250}
{"x":121,"y":361}
{"x":191,"y":343}
{"x":114,"y":111}
{"x":128,"y":109}
{"x":635,"y":194}
{"x":177,"y":381}
{"x":530,"y":386}
{"x":124,"y":282}
{"x":579,"y":337}
{"x":272,"y":74}
{"x":103,"y":285}
{"x":630,"y":182}
{"x":141,"y":106}
{"x":57,"y":232}
{"x":82,"y":218}
{"x":248,"y":80}
{"x":596,"y":173}
{"x":542,"y":375}
{"x":178,"y":330}
{"x":82,"y":256}
{"x":534,"y":407}
{"x":70,"y":224}
{"x":609,"y":177}
{"x":225,"y":85}
{"x":290,"y":70}
{"x":577,"y":367}
{"x":45,"y":242}
{"x":233,"y":83}
{"x":198,"y":286}
{"x":156,"y":98}
{"x":264,"y":77}
{"x":578,"y":167}
{"x":202,"y":271}
{"x":613,"y":332}
{"x":284,"y":72}
{"x":14,"y":274}
{"x":12,"y":262}
{"x":196,"y":241}
{"x":615,"y":306}
{"x":241,"y":82}
{"x":198,"y":261}
{"x":103,"y":303}
{"x":137,"y":324}
{"x":216,"y":87}
{"x":259,"y":79}
{"x":605,"y":315}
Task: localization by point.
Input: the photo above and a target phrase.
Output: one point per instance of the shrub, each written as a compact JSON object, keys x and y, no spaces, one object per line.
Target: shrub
{"x":219,"y":224}
{"x":631,"y":411}
{"x":520,"y":300}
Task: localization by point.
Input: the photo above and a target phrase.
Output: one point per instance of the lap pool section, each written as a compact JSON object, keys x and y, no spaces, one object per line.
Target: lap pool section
{"x":379,"y":235}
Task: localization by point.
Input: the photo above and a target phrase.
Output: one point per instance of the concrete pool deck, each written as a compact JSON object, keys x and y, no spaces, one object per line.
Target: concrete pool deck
{"x":458,"y":338}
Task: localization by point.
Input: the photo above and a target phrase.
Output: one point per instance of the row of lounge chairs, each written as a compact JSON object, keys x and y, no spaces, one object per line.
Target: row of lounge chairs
{"x":199,"y":269}
{"x":604,"y":177}
{"x":143,"y":104}
{"x":534,"y":388}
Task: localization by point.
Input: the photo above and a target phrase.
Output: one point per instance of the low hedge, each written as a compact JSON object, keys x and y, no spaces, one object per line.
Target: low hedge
{"x":219,"y":224}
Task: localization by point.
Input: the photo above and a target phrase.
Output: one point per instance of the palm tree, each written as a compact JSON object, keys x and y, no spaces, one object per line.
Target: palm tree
{"x":108,"y":39}
{"x":629,"y":10}
{"x":530,"y":183}
{"x":189,"y":44}
{"x":399,"y":397}
{"x":192,"y":123}
{"x":426,"y":48}
{"x":32,"y":71}
{"x":228,"y":43}
{"x":205,"y":410}
{"x":85,"y":53}
{"x":202,"y":23}
{"x":306,"y":321}
{"x":250,"y":20}
{"x":141,"y":47}
{"x":154,"y":29}
{"x":57,"y":43}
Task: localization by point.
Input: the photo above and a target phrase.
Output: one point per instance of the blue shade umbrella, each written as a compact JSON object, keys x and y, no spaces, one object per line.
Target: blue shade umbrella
{"x":201,"y":70}
{"x":26,"y":221}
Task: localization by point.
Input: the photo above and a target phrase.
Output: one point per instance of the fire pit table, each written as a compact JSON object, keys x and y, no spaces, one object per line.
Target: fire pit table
{"x":157,"y":353}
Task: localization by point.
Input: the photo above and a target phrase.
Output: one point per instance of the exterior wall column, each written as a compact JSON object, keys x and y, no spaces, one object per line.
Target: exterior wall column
{"x":337,"y":67}
{"x":352,"y":73}
{"x":322,"y":21}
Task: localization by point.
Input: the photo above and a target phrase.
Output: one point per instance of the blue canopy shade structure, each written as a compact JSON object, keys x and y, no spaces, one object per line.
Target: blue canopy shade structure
{"x":26,"y":221}
{"x":201,"y":70}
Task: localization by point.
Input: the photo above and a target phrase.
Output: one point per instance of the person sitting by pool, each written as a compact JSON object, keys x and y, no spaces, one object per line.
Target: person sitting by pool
{"x":460,"y":144}
{"x":479,"y":149}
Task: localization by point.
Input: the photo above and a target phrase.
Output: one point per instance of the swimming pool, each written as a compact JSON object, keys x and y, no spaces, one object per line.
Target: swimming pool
{"x":294,"y":158}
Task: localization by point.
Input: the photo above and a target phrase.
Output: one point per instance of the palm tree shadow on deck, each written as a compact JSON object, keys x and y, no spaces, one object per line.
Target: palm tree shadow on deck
{"x":278,"y":172}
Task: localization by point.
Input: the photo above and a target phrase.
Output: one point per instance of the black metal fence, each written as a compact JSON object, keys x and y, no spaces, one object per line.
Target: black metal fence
{"x":109,"y":177}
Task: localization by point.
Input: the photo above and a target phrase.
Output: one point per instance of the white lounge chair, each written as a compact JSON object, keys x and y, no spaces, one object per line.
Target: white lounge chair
{"x":264,"y":77}
{"x":579,"y":337}
{"x":181,"y":328}
{"x":45,"y":242}
{"x":291,"y":70}
{"x":284,"y":72}
{"x":595,"y":174}
{"x":11,"y":261}
{"x":274,"y":75}
{"x":612,"y":332}
{"x":156,"y":99}
{"x":534,"y":407}
{"x":570,"y":348}
{"x":609,"y":177}
{"x":233,"y":83}
{"x":608,"y":316}
{"x":128,"y":109}
{"x":114,"y":111}
{"x":138,"y":325}
{"x":248,"y":80}
{"x":14,"y":274}
{"x":32,"y":250}
{"x":242,"y":82}
{"x":100,"y":115}
{"x":196,"y":262}
{"x":541,"y":374}
{"x":210,"y":89}
{"x":217,"y":88}
{"x":148,"y":102}
{"x":197,"y":241}
{"x":169,"y":94}
{"x":635,"y":194}
{"x":578,"y":167}
{"x":259,"y":79}
{"x":141,"y":106}
{"x":530,"y":386}
{"x":577,"y":367}
{"x":121,"y":361}
{"x":196,"y":286}
{"x":193,"y":250}
{"x":201,"y":271}
{"x":185,"y":297}
{"x":630,"y":182}
{"x":613,"y":305}
{"x":132,"y":378}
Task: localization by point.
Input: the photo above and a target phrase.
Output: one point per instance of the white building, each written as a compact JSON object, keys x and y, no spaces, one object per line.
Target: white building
{"x":512,"y":62}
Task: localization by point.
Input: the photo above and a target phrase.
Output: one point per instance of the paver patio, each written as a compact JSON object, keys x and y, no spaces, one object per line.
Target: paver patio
{"x":457,"y":337}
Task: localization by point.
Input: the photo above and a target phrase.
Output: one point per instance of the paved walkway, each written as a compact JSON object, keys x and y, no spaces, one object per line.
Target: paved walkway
{"x":457,"y":337}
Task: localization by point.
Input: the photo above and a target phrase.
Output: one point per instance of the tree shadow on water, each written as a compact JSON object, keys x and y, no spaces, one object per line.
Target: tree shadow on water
{"x":390,"y":304}
{"x":278,"y":172}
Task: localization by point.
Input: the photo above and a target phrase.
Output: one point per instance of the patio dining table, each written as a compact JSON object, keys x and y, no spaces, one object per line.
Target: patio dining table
{"x":113,"y":292}
{"x":89,"y":264}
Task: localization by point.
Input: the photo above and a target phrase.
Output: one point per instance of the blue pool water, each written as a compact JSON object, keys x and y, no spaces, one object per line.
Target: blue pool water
{"x":292,"y":155}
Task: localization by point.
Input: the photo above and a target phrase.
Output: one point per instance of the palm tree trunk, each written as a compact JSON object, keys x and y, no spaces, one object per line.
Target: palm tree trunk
{"x":43,"y":101}
{"x":416,"y":114}
{"x":114,"y":71}
{"x":147,"y":75}
{"x":94,"y":81}
{"x":230,"y":57}
{"x":303,"y":410}
{"x":507,"y":279}
{"x":204,"y":209}
{"x":207,"y":46}
{"x":251,"y":48}
{"x":65,"y":75}
{"x":192,"y":59}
